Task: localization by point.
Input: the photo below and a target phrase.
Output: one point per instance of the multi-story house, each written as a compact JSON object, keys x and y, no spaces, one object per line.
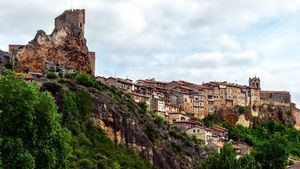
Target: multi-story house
{"x":172,"y":108}
{"x":210,"y":100}
{"x":158,"y":104}
{"x":124,"y":84}
{"x":177,"y":116}
{"x":201,"y":133}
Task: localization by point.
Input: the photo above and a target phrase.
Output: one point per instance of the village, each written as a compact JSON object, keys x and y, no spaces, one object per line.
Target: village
{"x":183,"y":104}
{"x":180,"y":103}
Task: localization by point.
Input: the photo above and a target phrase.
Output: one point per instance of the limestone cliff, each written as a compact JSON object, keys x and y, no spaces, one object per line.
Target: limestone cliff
{"x":243,"y":115}
{"x":66,"y":47}
{"x":126,"y":123}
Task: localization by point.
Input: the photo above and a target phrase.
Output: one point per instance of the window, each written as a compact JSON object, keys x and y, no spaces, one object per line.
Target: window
{"x":80,"y":25}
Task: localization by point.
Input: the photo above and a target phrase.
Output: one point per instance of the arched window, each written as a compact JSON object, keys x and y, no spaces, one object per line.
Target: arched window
{"x":80,"y":25}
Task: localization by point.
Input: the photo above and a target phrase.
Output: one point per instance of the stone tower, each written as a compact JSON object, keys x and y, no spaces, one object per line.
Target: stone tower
{"x":73,"y":17}
{"x":254,"y":82}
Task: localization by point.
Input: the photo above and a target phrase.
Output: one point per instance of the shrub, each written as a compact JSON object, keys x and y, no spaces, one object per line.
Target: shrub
{"x":52,"y":87}
{"x":51,"y":75}
{"x":85,"y":79}
{"x":70,"y":75}
{"x":159,"y":121}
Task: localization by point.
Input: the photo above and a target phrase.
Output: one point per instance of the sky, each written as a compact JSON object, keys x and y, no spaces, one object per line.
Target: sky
{"x":192,"y":40}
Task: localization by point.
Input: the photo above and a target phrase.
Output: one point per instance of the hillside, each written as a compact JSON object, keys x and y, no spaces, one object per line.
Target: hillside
{"x":89,"y":106}
{"x":41,"y":131}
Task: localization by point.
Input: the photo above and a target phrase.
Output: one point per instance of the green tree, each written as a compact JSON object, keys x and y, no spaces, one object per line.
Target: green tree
{"x":30,"y":127}
{"x":227,"y":159}
{"x":272,"y":154}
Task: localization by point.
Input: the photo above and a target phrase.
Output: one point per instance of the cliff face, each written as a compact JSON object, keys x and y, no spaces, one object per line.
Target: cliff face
{"x":243,"y":116}
{"x":66,"y":47}
{"x":130,"y":128}
{"x":127,"y":124}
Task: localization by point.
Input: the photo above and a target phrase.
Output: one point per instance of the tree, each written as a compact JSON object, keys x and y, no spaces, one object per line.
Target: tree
{"x":227,"y":159}
{"x":248,"y":162}
{"x":30,"y":127}
{"x":272,"y":154}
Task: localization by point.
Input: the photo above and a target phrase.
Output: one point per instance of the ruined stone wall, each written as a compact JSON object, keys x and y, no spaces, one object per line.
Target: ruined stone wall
{"x":92,"y":60}
{"x":276,"y":96}
{"x":13,"y":49}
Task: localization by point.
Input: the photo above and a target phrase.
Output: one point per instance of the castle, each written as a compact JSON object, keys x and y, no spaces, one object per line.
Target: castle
{"x":68,"y":48}
{"x":75,"y":17}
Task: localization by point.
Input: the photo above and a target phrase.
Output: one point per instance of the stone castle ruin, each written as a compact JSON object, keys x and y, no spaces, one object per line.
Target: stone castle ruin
{"x":65,"y":47}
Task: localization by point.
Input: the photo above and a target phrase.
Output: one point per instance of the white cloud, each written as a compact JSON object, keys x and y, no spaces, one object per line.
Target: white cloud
{"x":175,"y":39}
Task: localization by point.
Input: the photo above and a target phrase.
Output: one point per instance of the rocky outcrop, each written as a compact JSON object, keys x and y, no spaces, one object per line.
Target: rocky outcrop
{"x":66,"y":47}
{"x":125,"y":123}
{"x":278,"y":113}
{"x":266,"y":112}
{"x":126,"y":127}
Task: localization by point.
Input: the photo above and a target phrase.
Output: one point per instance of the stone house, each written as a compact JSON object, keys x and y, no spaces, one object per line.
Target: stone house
{"x":177,"y":116}
{"x":201,"y":133}
{"x":219,"y":133}
{"x":216,"y":145}
{"x":184,"y":125}
{"x":172,"y":108}
{"x":137,"y":97}
{"x":241,"y":148}
{"x":157,"y":104}
{"x":124,"y":84}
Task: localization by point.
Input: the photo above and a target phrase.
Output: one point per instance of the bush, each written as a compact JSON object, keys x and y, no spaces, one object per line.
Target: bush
{"x":70,"y":75}
{"x":51,"y":87}
{"x":159,"y":121}
{"x":60,"y":74}
{"x":51,"y":75}
{"x":151,"y":132}
{"x":85,"y":79}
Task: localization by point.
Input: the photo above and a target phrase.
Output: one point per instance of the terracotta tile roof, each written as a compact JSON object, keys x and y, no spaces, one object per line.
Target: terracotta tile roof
{"x":184,"y":122}
{"x":197,"y":126}
{"x":218,"y":128}
{"x":136,"y":94}
{"x":27,"y":77}
{"x":35,"y":73}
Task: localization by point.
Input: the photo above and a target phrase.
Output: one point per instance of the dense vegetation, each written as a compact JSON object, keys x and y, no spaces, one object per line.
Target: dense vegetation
{"x":227,"y":159}
{"x":34,"y":134}
{"x":91,"y":148}
{"x":30,"y":129}
{"x":273,"y":142}
{"x":259,"y":135}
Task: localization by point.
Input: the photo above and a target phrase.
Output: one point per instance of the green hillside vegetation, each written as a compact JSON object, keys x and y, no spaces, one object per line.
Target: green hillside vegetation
{"x":34,"y":134}
{"x":272,"y":142}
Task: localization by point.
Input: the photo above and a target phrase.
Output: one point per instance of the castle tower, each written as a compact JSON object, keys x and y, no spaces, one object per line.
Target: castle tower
{"x":254,"y":82}
{"x":73,"y":17}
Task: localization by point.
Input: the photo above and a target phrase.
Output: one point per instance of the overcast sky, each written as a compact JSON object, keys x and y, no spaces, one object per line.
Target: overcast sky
{"x":193,"y":40}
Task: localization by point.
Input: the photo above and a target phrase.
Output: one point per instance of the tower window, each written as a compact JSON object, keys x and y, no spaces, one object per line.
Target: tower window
{"x":80,"y":25}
